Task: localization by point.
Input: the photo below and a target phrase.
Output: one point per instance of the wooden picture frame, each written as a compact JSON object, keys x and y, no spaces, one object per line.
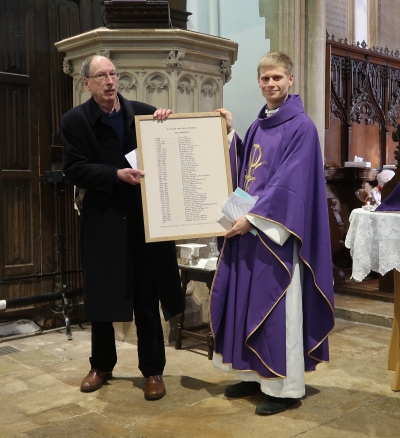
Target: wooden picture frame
{"x":187,"y":175}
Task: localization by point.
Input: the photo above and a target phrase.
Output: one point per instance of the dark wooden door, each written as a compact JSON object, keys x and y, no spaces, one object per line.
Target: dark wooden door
{"x":35,"y":93}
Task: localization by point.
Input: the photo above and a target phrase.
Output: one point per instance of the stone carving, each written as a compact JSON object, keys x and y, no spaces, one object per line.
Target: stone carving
{"x":209,"y":88}
{"x":185,"y":84}
{"x":226,"y":70}
{"x":104,"y":52}
{"x":131,"y":82}
{"x":175,"y":58}
{"x":67,"y":66}
{"x":157,"y":81}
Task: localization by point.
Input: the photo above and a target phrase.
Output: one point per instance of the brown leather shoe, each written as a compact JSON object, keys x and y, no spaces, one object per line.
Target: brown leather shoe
{"x":94,"y":380}
{"x":155,"y":388}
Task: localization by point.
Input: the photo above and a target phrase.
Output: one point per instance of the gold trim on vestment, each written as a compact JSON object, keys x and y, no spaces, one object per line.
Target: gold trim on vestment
{"x":212,"y":287}
{"x":284,"y":292}
{"x":249,"y":371}
{"x":272,"y":308}
{"x":236,"y":158}
{"x":315,"y":284}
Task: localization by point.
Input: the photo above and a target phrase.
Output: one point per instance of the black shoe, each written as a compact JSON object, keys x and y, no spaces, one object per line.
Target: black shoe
{"x":242,"y":389}
{"x":274,"y":405}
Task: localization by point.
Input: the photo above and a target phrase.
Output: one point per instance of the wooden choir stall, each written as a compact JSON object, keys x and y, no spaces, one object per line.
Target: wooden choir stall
{"x":362,"y":113}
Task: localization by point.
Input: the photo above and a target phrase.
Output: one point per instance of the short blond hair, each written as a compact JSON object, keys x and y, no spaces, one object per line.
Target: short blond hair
{"x":276,"y":59}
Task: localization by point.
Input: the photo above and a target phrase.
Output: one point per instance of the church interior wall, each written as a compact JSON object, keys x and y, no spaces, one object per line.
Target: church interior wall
{"x":389,"y":24}
{"x":241,"y":22}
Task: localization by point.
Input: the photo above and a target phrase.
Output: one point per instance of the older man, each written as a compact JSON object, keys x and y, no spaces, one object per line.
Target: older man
{"x":123,"y":275}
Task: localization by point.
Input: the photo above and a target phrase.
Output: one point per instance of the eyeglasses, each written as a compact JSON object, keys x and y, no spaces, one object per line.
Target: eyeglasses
{"x":103,"y":76}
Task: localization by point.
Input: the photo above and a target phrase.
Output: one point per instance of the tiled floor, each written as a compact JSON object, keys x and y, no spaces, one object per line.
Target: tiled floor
{"x":40,"y":397}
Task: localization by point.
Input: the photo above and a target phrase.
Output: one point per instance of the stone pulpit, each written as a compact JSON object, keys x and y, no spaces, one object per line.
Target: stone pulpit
{"x":168,"y":68}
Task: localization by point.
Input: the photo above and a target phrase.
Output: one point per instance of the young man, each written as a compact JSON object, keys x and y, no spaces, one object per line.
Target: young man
{"x":123,"y":275}
{"x":272,"y":297}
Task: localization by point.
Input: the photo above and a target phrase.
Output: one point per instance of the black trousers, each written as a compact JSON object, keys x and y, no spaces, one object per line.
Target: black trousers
{"x":150,"y":344}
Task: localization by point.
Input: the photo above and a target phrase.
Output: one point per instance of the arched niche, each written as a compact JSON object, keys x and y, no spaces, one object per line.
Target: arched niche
{"x":209,"y":95}
{"x":156,"y":90}
{"x":127,"y":86}
{"x":80,"y":93}
{"x":185,"y":96}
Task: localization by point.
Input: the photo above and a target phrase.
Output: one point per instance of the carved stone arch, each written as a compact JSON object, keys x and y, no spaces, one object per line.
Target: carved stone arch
{"x":210,"y":93}
{"x":80,"y":93}
{"x":209,"y":87}
{"x":186,"y":96}
{"x":156,"y":89}
{"x":186,"y":84}
{"x":128,"y":85}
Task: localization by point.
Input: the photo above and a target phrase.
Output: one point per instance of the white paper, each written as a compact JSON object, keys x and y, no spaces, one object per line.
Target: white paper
{"x":236,"y":206}
{"x":133,"y":160}
{"x":225,"y":223}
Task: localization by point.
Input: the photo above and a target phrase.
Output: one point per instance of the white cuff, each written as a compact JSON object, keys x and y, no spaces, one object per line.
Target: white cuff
{"x":230,"y":137}
{"x":274,"y":231}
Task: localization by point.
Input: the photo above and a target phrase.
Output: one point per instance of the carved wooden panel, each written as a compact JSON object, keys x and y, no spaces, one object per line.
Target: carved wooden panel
{"x":14,"y":129}
{"x":332,"y":152}
{"x":13,"y":37}
{"x":391,"y":146}
{"x":35,"y":94}
{"x":364,"y":142}
{"x":365,"y":97}
{"x":17,"y":244}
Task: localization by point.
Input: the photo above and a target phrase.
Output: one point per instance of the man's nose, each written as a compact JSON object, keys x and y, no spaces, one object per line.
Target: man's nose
{"x":109,"y":78}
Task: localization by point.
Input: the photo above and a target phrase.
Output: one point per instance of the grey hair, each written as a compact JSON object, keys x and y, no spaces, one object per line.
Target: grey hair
{"x":85,"y":69}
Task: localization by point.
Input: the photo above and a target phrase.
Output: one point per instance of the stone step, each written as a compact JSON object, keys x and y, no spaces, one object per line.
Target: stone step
{"x":364,"y":310}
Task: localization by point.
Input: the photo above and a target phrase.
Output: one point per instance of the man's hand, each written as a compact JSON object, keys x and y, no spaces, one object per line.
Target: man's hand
{"x":228,"y":118}
{"x":240,"y":226}
{"x":131,"y":176}
{"x":162,"y":114}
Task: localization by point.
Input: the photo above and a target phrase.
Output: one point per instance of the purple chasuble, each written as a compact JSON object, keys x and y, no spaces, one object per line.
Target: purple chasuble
{"x":279,"y":161}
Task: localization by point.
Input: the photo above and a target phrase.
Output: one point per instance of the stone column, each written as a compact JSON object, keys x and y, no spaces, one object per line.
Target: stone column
{"x":315,"y":65}
{"x":298,"y":28}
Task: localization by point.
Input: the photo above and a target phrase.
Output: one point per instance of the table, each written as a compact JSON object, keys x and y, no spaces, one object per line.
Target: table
{"x":374,"y":243}
{"x":189,"y":273}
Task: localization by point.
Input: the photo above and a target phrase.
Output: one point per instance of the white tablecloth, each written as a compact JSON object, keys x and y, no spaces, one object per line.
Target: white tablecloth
{"x":374,"y":242}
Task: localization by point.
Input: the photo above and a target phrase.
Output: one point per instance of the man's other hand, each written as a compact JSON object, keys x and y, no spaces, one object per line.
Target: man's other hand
{"x":131,"y":176}
{"x":162,"y":113}
{"x":240,"y":226}
{"x":228,"y":118}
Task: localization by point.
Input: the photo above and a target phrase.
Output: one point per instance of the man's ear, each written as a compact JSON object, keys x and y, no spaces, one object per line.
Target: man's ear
{"x":86,"y":84}
{"x":291,"y":78}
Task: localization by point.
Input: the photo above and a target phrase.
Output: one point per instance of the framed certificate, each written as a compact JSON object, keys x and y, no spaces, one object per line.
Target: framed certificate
{"x":187,"y":175}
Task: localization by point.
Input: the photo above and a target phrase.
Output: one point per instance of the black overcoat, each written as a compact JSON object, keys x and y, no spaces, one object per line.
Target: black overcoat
{"x":117,"y":263}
